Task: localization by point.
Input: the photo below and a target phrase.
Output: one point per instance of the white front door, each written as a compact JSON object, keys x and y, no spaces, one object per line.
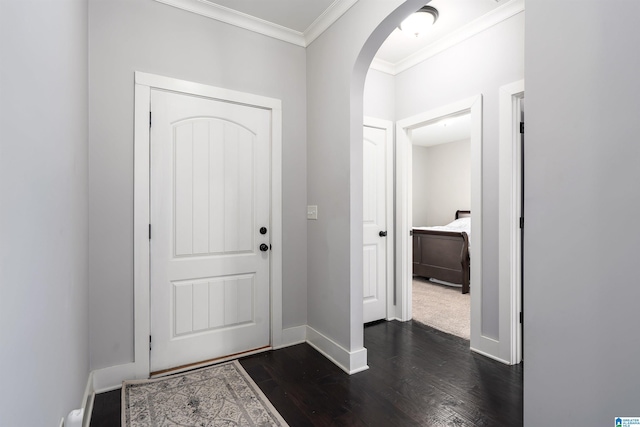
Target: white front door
{"x":210,"y":197}
{"x":375,"y":232}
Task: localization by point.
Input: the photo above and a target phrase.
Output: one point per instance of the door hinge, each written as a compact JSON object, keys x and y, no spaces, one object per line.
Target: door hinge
{"x":521,"y":127}
{"x":149,"y":118}
{"x":521,"y":317}
{"x":410,"y":232}
{"x":521,"y":222}
{"x":149,"y":342}
{"x":149,"y":231}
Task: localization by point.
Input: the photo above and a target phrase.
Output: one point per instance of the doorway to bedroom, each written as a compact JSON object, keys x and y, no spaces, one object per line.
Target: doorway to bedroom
{"x":450,"y":74}
{"x":441,"y":254}
{"x":441,"y":212}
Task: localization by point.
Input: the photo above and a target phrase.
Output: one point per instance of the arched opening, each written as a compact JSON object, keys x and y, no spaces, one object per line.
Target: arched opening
{"x":337,"y":64}
{"x":490,"y":339}
{"x":401,"y":305}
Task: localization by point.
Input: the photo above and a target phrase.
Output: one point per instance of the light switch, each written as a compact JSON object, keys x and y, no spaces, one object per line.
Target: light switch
{"x":312,"y":212}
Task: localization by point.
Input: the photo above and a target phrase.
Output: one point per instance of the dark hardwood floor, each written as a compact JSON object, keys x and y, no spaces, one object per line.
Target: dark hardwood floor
{"x":417,"y":376}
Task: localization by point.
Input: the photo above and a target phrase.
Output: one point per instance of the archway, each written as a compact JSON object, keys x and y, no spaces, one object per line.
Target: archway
{"x":337,"y":64}
{"x":336,"y":68}
{"x":490,"y":341}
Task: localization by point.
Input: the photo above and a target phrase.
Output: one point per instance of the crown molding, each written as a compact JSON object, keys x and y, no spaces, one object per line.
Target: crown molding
{"x":257,"y":25}
{"x":383,"y":66}
{"x":496,"y":16}
{"x":328,"y":17}
{"x":238,"y":19}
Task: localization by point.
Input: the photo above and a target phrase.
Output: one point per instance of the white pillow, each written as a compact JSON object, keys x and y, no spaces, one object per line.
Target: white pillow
{"x":460,"y":223}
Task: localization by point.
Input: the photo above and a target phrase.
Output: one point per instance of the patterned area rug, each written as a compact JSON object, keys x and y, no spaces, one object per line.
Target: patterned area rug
{"x":220,"y":395}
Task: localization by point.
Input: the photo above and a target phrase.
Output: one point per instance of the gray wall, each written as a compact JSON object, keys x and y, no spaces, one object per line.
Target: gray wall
{"x":380,"y":95}
{"x":441,"y":182}
{"x":44,"y":350}
{"x":581,"y":345}
{"x":336,"y":67}
{"x":479,"y":65}
{"x":581,"y":338}
{"x":144,"y":35}
{"x":419,"y":158}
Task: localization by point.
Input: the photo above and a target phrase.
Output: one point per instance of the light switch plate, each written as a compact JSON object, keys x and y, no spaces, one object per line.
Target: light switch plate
{"x":312,"y":212}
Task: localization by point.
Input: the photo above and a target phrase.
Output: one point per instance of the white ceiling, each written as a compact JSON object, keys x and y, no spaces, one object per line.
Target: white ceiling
{"x":453,"y":14}
{"x":450,"y":129}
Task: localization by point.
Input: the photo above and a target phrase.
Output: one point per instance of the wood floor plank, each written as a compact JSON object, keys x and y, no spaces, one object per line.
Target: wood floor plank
{"x":106,"y":409}
{"x":417,"y":376}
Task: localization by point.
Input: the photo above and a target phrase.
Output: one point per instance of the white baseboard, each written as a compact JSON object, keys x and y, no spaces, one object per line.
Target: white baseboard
{"x":87,"y":400}
{"x":86,"y":406}
{"x":349,"y":361}
{"x":88,"y":390}
{"x":489,"y":355}
{"x":88,"y":410}
{"x":293,"y":336}
{"x":111,"y":378}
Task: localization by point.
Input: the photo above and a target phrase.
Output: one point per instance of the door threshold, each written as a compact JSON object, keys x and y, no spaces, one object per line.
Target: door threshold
{"x":209,"y":362}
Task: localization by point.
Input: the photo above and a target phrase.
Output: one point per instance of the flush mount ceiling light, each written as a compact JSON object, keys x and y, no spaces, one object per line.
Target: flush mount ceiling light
{"x":419,"y":22}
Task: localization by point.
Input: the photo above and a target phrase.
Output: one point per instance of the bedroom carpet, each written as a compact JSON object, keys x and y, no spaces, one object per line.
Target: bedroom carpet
{"x":442,"y":307}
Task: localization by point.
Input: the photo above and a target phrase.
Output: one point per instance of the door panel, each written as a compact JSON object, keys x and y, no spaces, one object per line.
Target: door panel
{"x":210,"y":177}
{"x":214,"y":189}
{"x":212,"y":303}
{"x":374,"y":221}
{"x":370,"y":261}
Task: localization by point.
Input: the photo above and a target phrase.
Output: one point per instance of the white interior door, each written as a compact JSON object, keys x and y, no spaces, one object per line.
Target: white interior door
{"x":210,"y":196}
{"x":375,"y":232}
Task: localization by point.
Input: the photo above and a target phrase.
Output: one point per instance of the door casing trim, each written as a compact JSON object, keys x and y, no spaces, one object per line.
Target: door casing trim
{"x":509,"y":243}
{"x":144,"y":82}
{"x":472,"y":105}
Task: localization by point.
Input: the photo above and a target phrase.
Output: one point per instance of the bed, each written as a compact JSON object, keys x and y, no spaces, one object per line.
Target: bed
{"x":442,"y":252}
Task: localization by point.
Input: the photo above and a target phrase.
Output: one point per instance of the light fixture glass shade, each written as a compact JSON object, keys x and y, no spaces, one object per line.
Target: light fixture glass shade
{"x":419,"y":22}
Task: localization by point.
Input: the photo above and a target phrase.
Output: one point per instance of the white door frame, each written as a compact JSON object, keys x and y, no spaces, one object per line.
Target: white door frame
{"x":387,"y":125}
{"x":509,"y":218}
{"x":144,"y":82}
{"x":472,"y":105}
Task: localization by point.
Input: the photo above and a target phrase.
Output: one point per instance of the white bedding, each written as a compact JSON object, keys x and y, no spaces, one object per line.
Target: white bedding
{"x":459,"y":225}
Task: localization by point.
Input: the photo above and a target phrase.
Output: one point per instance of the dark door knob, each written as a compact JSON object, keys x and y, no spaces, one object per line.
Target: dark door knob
{"x":382,"y":234}
{"x":264,"y":247}
{"x":263,"y":230}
